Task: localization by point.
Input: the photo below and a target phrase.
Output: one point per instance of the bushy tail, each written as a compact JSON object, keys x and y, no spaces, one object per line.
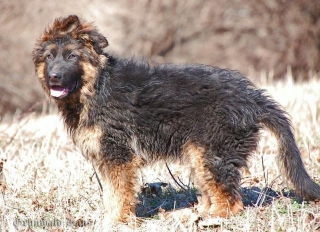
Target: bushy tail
{"x":289,"y":157}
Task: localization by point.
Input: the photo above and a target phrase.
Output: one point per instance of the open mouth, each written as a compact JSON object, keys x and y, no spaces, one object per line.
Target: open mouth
{"x":60,"y":92}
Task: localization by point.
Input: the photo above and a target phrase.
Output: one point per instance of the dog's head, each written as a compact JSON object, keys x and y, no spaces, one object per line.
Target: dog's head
{"x":68,"y":56}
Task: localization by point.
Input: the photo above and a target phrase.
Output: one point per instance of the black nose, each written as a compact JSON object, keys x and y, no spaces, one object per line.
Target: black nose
{"x":54,"y":75}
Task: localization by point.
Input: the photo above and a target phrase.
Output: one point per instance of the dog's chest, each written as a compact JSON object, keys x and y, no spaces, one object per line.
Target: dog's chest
{"x":88,"y":140}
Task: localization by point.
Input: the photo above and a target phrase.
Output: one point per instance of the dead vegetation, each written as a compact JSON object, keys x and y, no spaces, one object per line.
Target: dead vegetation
{"x":46,"y":185}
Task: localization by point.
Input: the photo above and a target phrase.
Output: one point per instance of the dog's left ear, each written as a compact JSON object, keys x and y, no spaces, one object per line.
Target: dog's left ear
{"x":98,"y":41}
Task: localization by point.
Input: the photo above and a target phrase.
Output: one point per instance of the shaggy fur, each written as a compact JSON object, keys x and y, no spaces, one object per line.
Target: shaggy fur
{"x":124,"y":113}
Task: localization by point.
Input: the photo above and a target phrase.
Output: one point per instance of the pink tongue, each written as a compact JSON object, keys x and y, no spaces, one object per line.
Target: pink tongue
{"x":58,"y":91}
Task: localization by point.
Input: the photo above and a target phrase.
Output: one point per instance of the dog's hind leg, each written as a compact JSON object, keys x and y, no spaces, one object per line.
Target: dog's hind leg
{"x":218,"y":184}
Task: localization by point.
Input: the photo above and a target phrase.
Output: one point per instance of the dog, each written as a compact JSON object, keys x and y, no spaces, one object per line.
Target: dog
{"x":124,"y":114}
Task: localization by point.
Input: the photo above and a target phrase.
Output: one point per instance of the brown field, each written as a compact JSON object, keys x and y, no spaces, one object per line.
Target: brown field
{"x":46,"y":185}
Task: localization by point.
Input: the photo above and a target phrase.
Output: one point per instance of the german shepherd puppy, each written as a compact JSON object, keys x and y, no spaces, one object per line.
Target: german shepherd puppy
{"x":124,"y":113}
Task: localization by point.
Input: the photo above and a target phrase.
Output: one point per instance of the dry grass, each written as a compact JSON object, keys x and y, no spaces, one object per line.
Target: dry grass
{"x":44,"y":179}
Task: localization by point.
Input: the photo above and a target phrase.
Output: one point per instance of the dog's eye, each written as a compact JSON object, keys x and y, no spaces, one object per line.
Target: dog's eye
{"x":49,"y":57}
{"x":72,"y":57}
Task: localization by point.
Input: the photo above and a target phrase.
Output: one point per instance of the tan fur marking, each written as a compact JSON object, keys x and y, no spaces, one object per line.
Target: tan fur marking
{"x":87,"y":90}
{"x":90,"y":74}
{"x":51,"y":46}
{"x":214,"y":200}
{"x":71,"y":47}
{"x":103,"y":61}
{"x":89,"y":77}
{"x":88,"y":140}
{"x":40,"y":70}
{"x":120,"y":188}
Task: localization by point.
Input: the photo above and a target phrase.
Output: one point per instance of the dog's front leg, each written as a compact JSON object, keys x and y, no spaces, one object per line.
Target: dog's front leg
{"x":120,"y":186}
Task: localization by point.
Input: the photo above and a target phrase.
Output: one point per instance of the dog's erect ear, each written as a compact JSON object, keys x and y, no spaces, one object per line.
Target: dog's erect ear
{"x":67,"y":25}
{"x":98,"y":41}
{"x":61,"y":27}
{"x":77,"y":29}
{"x":86,"y":31}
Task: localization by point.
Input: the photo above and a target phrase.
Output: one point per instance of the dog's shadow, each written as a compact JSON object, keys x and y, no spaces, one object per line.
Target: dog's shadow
{"x":159,"y":196}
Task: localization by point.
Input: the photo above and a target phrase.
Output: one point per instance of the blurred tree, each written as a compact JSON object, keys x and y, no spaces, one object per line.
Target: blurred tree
{"x":247,"y":35}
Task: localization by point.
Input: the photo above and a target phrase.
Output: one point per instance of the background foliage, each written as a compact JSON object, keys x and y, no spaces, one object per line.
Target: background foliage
{"x":248,"y":35}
